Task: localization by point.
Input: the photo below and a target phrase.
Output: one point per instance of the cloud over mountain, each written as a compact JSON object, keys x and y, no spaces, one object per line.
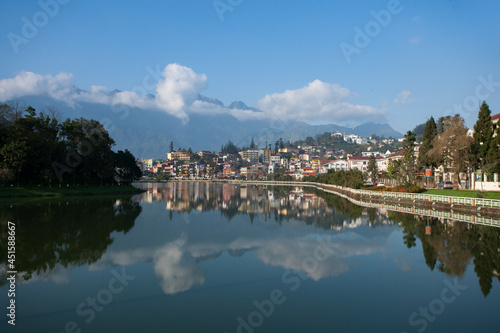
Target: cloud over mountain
{"x":319,"y":101}
{"x":179,"y":89}
{"x":177,"y":94}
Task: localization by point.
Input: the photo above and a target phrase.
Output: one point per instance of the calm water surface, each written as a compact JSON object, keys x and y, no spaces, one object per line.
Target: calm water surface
{"x":199,"y":257}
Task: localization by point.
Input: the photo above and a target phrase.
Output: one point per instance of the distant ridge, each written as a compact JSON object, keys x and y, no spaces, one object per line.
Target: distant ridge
{"x":148,"y":133}
{"x":385,"y":130}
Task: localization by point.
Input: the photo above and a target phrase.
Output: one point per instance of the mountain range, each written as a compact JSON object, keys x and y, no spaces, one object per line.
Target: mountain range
{"x":148,"y":133}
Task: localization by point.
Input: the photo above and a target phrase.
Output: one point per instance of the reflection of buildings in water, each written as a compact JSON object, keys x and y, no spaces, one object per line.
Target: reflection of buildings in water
{"x":294,"y":202}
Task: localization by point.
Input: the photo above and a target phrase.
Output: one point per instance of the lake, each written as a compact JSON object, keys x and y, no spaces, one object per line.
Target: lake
{"x":218,"y":257}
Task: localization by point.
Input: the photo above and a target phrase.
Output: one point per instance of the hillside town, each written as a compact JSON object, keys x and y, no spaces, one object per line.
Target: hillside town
{"x":299,"y":161}
{"x":290,"y":162}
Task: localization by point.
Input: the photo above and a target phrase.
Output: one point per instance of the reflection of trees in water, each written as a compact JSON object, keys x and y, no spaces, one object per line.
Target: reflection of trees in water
{"x":342,"y":206}
{"x":64,"y":233}
{"x":452,"y":245}
{"x":485,"y":247}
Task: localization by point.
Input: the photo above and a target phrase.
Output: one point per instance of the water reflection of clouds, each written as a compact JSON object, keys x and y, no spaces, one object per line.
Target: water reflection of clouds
{"x":402,"y":263}
{"x":176,"y":260}
{"x":293,"y":253}
{"x":177,"y":268}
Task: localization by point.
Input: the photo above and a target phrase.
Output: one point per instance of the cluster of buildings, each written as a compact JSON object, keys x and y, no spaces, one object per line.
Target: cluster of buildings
{"x":298,"y":162}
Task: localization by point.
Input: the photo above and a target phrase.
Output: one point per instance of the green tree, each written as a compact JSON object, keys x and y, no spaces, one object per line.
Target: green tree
{"x":171,"y":146}
{"x":481,"y":143}
{"x":372,"y":168}
{"x":252,"y":145}
{"x":230,"y":148}
{"x":29,"y":145}
{"x":36,"y":148}
{"x":430,"y":132}
{"x":493,"y":158}
{"x":309,"y":140}
{"x":394,"y":169}
{"x":89,"y":150}
{"x":452,"y":146}
{"x":281,"y":144}
{"x":126,"y":167}
{"x":15,"y":156}
{"x":408,"y":163}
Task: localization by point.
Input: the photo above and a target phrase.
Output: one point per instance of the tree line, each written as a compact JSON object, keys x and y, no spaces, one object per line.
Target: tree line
{"x":40,"y":149}
{"x":446,"y":143}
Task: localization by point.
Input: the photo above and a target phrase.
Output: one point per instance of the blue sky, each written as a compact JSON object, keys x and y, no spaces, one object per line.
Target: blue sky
{"x":285,"y":57}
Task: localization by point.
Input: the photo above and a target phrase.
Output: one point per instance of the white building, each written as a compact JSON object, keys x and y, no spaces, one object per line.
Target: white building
{"x":336,"y":165}
{"x":275,"y":159}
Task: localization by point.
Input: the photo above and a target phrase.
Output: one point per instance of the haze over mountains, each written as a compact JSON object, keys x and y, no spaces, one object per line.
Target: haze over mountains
{"x":147,"y":133}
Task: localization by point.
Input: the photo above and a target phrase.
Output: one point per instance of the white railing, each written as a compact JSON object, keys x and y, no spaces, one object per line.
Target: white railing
{"x":479,"y":202}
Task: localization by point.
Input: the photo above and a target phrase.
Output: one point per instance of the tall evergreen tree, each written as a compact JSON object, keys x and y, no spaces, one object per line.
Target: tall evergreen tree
{"x":430,"y":132}
{"x":408,"y":164}
{"x":171,"y":146}
{"x":483,"y":134}
{"x":493,"y":157}
{"x":372,"y":168}
{"x":252,"y":145}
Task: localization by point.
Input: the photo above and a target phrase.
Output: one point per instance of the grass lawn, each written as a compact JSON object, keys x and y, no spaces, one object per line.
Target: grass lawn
{"x":464,"y":193}
{"x":56,"y":191}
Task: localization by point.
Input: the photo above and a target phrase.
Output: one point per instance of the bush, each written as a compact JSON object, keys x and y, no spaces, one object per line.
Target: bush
{"x":347,"y":178}
{"x":399,"y":188}
{"x":375,"y":188}
{"x":407,"y":189}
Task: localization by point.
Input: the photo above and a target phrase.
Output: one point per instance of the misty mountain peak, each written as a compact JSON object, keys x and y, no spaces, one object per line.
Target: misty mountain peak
{"x":241,"y":106}
{"x":209,"y":100}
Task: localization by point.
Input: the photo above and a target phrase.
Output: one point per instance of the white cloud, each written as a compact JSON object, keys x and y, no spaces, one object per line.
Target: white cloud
{"x":176,"y":94}
{"x":179,"y":89}
{"x":318,"y":101}
{"x":29,"y":83}
{"x":403,"y":98}
{"x":176,"y":90}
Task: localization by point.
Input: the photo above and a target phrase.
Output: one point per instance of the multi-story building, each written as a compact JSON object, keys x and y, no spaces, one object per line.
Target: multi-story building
{"x":358,"y":162}
{"x":305,"y":157}
{"x":336,"y":165}
{"x":266,"y":156}
{"x":275,"y":159}
{"x":248,"y":155}
{"x":272,"y":168}
{"x":179,"y":155}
